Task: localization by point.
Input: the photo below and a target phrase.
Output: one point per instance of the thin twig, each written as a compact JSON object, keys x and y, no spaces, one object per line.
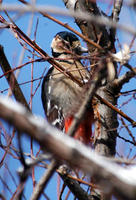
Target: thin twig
{"x":44,"y":180}
{"x":75,"y":187}
{"x":116,"y":110}
{"x":125,"y":78}
{"x":128,"y":130}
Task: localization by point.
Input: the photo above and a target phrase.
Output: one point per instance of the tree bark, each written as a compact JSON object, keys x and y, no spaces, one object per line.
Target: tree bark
{"x":105,"y":118}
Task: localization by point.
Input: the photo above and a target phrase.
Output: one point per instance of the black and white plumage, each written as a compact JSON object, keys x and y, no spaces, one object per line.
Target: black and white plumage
{"x":60,"y":93}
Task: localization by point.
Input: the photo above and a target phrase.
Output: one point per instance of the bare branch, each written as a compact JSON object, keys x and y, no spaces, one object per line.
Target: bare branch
{"x":115,"y":16}
{"x":44,"y":180}
{"x":116,"y":110}
{"x":116,"y":10}
{"x":88,"y":27}
{"x":68,"y":27}
{"x":81,"y":15}
{"x":11,"y":79}
{"x":125,"y":78}
{"x":74,"y":186}
{"x":120,"y":181}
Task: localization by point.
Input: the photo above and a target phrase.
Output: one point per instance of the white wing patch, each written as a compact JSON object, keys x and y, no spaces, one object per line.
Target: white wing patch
{"x":59,"y":119}
{"x":49,"y":100}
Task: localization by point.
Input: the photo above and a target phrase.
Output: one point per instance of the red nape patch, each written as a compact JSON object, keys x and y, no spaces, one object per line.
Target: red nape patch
{"x":84,"y":130}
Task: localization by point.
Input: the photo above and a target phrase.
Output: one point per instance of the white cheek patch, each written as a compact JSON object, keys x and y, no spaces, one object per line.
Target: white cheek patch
{"x":57,"y":45}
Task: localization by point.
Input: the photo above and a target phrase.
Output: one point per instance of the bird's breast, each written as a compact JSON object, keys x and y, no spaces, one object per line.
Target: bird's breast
{"x":65,"y":92}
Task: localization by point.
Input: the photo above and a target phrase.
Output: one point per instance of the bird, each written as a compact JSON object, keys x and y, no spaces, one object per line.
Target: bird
{"x":60,"y":95}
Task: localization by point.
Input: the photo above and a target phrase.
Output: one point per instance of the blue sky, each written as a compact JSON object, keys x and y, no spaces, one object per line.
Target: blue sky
{"x":45,"y":32}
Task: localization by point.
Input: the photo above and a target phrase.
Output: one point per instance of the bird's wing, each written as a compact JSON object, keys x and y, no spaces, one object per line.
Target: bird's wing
{"x":53,"y":112}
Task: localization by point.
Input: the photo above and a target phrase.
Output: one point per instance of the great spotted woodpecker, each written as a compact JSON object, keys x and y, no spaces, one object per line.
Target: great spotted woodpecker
{"x":59,"y":93}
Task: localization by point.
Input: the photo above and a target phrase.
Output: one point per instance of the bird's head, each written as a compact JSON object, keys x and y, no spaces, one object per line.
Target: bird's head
{"x":64,"y":43}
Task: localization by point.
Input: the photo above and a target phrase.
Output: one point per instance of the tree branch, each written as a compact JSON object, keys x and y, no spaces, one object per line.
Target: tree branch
{"x":88,"y":27}
{"x":124,"y":78}
{"x":120,"y":181}
{"x":115,"y":17}
{"x":17,"y":92}
{"x":73,"y":185}
{"x":67,"y":26}
{"x":44,"y":180}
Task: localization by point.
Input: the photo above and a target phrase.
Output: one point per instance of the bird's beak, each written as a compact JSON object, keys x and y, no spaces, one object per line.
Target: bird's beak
{"x":80,"y":50}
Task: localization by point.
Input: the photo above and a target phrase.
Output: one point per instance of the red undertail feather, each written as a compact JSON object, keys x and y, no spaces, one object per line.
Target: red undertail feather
{"x":84,"y":131}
